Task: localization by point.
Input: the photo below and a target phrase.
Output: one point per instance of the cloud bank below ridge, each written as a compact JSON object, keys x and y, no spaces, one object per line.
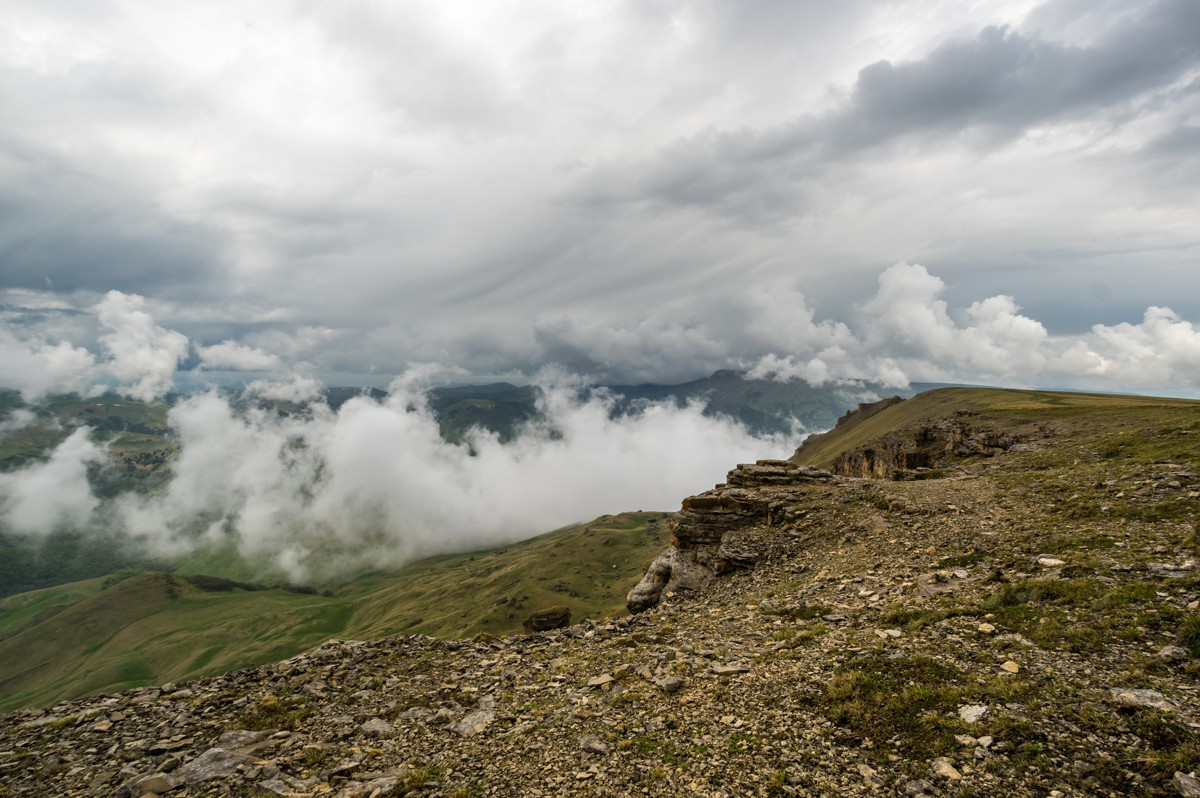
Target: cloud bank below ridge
{"x":373,"y":485}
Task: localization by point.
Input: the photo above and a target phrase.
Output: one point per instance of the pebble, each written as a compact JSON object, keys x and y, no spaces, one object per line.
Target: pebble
{"x":1173,"y":654}
{"x":1138,"y":697}
{"x":377,"y":727}
{"x":669,"y":684}
{"x":1186,"y":784}
{"x":730,"y":668}
{"x":943,"y":767}
{"x":594,"y":745}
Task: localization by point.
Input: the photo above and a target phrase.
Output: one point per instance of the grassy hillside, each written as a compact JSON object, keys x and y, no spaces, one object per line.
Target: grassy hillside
{"x":106,"y":635}
{"x":1108,"y":420}
{"x":130,"y":428}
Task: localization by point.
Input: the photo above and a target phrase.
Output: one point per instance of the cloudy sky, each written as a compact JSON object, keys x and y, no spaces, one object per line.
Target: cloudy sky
{"x":998,"y":191}
{"x":288,"y":191}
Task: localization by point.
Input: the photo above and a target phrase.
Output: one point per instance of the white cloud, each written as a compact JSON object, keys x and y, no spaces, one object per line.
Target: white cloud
{"x":906,"y":332}
{"x":374,"y":485}
{"x":1162,"y":351}
{"x":55,"y":493}
{"x":142,"y":356}
{"x":17,"y":420}
{"x":234,"y":356}
{"x":908,"y":321}
{"x":298,"y":389}
{"x":36,"y":367}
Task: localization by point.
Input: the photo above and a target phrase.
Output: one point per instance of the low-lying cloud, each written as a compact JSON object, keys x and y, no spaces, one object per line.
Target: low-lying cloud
{"x":136,"y":355}
{"x":53,"y":494}
{"x":142,"y":356}
{"x":373,"y":485}
{"x":234,"y":356}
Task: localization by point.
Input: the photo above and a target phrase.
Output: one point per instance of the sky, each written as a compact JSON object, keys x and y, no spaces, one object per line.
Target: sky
{"x":998,"y":192}
{"x":290,"y":193}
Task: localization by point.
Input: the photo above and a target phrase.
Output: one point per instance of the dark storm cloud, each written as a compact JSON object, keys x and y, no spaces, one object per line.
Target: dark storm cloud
{"x":65,"y":229}
{"x":1008,"y":81}
{"x":991,"y":88}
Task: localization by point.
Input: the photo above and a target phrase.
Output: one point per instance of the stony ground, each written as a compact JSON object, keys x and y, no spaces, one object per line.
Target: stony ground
{"x":1023,"y":625}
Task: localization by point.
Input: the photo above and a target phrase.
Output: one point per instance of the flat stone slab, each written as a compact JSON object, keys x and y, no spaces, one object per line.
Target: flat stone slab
{"x":730,"y":668}
{"x":1137,"y":697}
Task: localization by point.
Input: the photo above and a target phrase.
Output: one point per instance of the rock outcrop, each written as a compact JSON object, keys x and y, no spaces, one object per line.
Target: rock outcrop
{"x":932,"y":445}
{"x":708,"y":531}
{"x":556,"y":617}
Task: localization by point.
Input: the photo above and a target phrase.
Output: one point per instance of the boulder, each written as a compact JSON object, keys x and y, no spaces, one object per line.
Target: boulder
{"x":674,"y":570}
{"x":543,"y":620}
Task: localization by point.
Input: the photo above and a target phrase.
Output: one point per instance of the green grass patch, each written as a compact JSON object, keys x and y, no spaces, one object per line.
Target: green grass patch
{"x":1188,"y":635}
{"x":1081,"y":615}
{"x":909,"y":700}
{"x":916,"y":618}
{"x":960,"y":560}
{"x":1070,"y":543}
{"x":272,"y":712}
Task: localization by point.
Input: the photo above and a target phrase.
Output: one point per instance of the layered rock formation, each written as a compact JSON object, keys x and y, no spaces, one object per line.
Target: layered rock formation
{"x":929,"y":445}
{"x":709,"y":533}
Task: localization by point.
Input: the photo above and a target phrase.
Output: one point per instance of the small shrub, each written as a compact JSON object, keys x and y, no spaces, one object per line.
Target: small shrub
{"x":960,"y":560}
{"x":912,"y":699}
{"x":1188,"y":635}
{"x":272,"y":713}
{"x":414,"y":779}
{"x":61,"y":723}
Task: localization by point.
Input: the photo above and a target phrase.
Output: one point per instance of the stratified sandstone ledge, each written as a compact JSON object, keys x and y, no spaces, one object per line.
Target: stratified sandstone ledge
{"x":709,"y":530}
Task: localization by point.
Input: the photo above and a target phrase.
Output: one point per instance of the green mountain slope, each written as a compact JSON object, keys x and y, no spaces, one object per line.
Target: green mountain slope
{"x":150,"y":628}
